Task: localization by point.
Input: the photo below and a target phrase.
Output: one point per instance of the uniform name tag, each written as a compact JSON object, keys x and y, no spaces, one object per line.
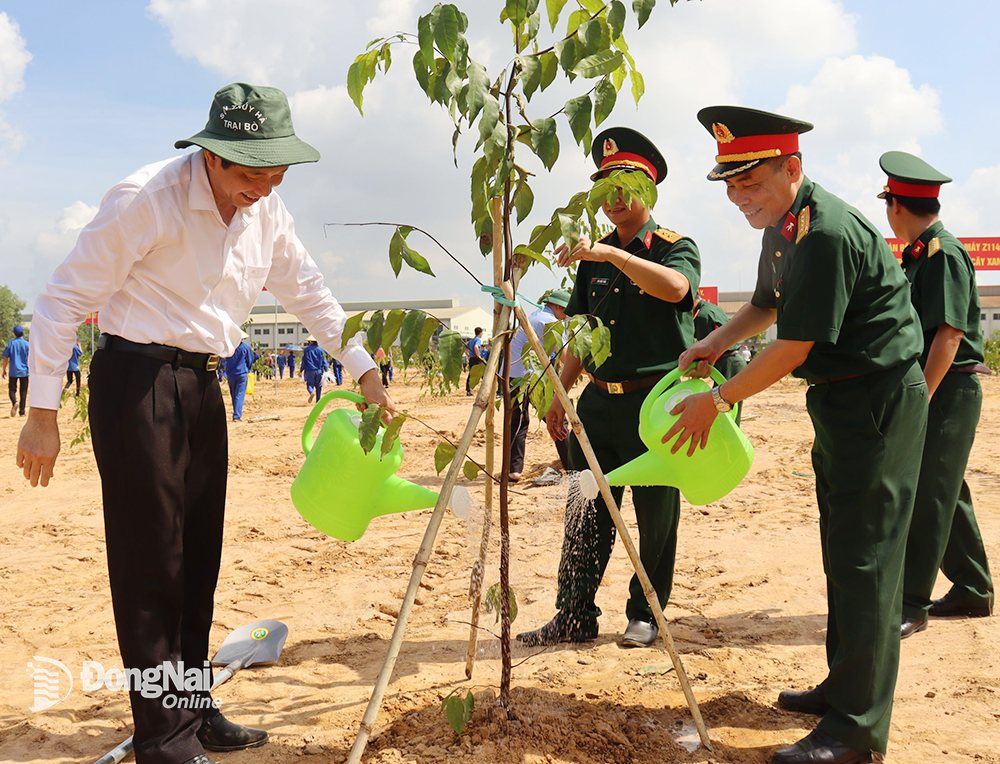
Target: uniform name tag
{"x":600,"y":281}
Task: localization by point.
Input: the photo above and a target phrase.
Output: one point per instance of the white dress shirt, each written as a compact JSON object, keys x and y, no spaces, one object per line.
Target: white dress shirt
{"x":161,"y":266}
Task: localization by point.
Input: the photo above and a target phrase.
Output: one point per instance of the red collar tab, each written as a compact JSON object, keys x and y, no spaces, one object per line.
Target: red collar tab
{"x":618,"y":160}
{"x":920,"y":191}
{"x":789,"y":226}
{"x":753,"y":147}
{"x":918,"y":248}
{"x":648,"y":239}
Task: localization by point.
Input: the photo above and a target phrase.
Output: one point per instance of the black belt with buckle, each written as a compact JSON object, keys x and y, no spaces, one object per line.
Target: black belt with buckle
{"x":629,"y":385}
{"x":166,"y":353}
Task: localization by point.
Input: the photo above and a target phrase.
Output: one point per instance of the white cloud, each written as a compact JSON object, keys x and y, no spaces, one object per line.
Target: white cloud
{"x":968,"y":206}
{"x":75,"y":217}
{"x":14,"y":58}
{"x":392,"y":16}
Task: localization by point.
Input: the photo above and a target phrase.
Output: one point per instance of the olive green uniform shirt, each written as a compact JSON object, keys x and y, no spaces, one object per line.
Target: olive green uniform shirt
{"x":943,"y":291}
{"x":834,"y":281}
{"x":707,"y":318}
{"x":647,"y":334}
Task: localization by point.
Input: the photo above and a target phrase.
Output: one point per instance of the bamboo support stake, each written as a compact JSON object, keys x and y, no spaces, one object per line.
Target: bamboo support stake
{"x":426,"y":546}
{"x":478,"y":569}
{"x":633,"y":554}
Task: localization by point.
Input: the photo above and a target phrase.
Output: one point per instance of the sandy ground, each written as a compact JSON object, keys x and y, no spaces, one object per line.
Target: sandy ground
{"x":748,"y":613}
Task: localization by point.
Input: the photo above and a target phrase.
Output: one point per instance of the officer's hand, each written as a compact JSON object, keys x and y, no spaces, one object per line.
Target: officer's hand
{"x":697,"y":413}
{"x":375,"y":394}
{"x":583,"y":250}
{"x":701,"y":353}
{"x":555,"y":420}
{"x":38,"y":446}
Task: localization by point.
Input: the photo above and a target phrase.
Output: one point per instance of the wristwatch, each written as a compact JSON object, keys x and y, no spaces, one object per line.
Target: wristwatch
{"x":721,"y":404}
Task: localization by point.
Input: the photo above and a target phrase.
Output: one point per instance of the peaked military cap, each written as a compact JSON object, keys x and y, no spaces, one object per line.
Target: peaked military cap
{"x":910,"y":176}
{"x":621,"y":148}
{"x":746,"y":137}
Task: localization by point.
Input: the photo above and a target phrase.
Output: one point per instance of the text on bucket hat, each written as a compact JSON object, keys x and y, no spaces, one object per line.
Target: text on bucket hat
{"x":252,"y":126}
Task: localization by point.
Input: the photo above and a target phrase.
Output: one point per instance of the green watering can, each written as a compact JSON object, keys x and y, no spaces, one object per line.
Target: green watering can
{"x":340,"y":488}
{"x":707,"y":475}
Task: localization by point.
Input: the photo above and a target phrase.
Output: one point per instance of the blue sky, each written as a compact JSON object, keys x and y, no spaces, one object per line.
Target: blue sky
{"x":89,"y":92}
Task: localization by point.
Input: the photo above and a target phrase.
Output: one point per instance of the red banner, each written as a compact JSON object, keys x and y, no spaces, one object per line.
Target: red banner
{"x":90,"y":319}
{"x":984,"y":251}
{"x":709,"y":294}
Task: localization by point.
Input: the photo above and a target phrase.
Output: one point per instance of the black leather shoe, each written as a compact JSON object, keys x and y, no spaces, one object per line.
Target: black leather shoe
{"x":952,"y":604}
{"x":805,"y":702}
{"x":219,"y":734}
{"x":640,"y":633}
{"x":563,"y":628}
{"x":200,"y":759}
{"x":819,"y":748}
{"x":911,"y":626}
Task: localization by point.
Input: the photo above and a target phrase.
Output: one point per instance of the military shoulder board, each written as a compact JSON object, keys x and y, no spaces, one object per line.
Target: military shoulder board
{"x":803,"y":224}
{"x":934,"y":247}
{"x":668,"y":236}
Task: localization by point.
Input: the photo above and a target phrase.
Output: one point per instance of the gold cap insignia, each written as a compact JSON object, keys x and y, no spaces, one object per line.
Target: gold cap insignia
{"x":722,"y":133}
{"x":610,"y":147}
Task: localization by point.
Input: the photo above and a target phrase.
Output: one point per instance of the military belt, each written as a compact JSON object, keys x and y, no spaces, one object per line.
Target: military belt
{"x":174,"y":356}
{"x":972,"y":368}
{"x":833,"y":379}
{"x":628,"y":385}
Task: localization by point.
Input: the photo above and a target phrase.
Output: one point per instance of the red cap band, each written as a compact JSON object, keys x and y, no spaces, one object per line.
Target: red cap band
{"x":630,"y":160}
{"x":920,"y":191}
{"x":753,"y":147}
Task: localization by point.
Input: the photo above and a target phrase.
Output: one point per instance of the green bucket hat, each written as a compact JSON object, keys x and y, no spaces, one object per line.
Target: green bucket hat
{"x":252,"y":127}
{"x":558,"y":297}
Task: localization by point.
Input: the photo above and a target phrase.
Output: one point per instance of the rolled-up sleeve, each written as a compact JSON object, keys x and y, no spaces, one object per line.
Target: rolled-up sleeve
{"x":297,"y":282}
{"x":120,"y":234}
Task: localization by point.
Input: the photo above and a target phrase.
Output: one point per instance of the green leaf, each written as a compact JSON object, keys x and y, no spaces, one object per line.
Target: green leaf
{"x":655,"y":670}
{"x":618,"y":76}
{"x":476,"y":374}
{"x":443,"y":455}
{"x":422,"y":73}
{"x":552,"y":339}
{"x":642,"y":10}
{"x":488,"y":122}
{"x":409,"y":336}
{"x":576,"y":18}
{"x":393,"y":322}
{"x":592,"y":6}
{"x":567,"y":52}
{"x":599,"y":64}
{"x":462,"y":57}
{"x":391,"y":434}
{"x":581,"y":340}
{"x":578,"y":113}
{"x":524,"y":200}
{"x":604,"y":100}
{"x":554,"y":8}
{"x":450,"y":353}
{"x":540,"y":395}
{"x":479,"y":87}
{"x":430,"y":326}
{"x":601,"y":344}
{"x":491,"y":603}
{"x":375,"y":330}
{"x":544,"y":141}
{"x":385,"y":53}
{"x":470,"y":469}
{"x":396,"y":253}
{"x":412,"y":258}
{"x":425,"y":35}
{"x":590,"y":36}
{"x":550,"y":67}
{"x":470,"y":704}
{"x":570,"y":228}
{"x":352,"y":327}
{"x":638,"y":86}
{"x":531,"y":75}
{"x":517,"y":11}
{"x":446,"y":30}
{"x":356,"y":81}
{"x":456,"y":712}
{"x":521,"y":249}
{"x":616,"y":18}
{"x":371,"y":417}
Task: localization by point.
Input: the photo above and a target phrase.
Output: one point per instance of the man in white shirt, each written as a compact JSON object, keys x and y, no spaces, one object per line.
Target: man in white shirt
{"x":174,"y":260}
{"x":553,"y":310}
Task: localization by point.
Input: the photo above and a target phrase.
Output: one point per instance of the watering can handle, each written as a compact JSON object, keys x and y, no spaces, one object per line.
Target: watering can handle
{"x":670,"y":378}
{"x":307,"y":430}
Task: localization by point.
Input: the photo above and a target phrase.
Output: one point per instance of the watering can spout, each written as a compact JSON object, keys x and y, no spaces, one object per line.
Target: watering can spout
{"x":648,"y":469}
{"x":397,"y":495}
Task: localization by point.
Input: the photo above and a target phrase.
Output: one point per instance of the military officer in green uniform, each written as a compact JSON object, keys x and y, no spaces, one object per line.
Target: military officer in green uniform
{"x":944,"y":533}
{"x":827,"y":278}
{"x":707,"y":318}
{"x":640,"y":281}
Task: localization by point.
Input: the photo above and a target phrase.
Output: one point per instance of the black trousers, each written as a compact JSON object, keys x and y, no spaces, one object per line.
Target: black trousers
{"x":13,"y":383}
{"x":161,"y":445}
{"x":70,"y":375}
{"x":520,"y":421}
